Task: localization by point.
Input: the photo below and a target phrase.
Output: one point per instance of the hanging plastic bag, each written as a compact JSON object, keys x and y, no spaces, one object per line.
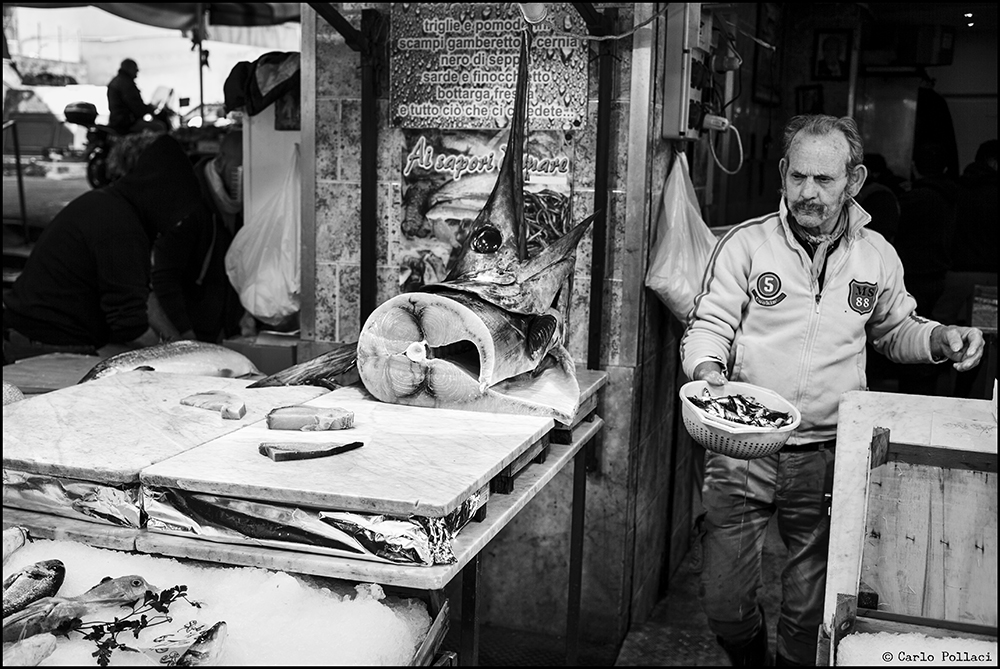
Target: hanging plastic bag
{"x":683,"y":243}
{"x":263,"y":261}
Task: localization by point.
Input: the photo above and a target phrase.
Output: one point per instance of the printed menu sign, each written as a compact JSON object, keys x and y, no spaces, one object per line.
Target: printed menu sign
{"x":454,"y":65}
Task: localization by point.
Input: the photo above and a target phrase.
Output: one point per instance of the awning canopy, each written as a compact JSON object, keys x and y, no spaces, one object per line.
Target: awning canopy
{"x":184,"y":15}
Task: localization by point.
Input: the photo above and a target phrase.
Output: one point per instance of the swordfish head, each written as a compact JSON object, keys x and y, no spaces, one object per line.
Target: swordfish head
{"x":497,"y":239}
{"x":493,"y":262}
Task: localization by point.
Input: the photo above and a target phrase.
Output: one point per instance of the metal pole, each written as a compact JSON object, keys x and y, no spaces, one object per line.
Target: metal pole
{"x":602,"y":166}
{"x":369,"y":169}
{"x":201,"y":63}
{"x":468,"y":655}
{"x":576,"y":558}
{"x":20,"y":183}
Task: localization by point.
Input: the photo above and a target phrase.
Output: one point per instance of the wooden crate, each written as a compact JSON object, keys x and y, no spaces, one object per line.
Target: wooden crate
{"x":913,"y":531}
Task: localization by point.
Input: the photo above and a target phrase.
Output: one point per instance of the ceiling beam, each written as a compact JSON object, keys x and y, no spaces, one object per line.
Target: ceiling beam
{"x":352,"y":36}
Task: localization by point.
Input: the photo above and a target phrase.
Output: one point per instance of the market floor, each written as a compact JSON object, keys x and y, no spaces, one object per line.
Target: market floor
{"x":676,"y":633}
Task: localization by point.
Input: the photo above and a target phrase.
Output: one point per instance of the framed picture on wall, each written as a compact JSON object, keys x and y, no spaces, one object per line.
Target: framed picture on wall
{"x":832,"y":55}
{"x":765,"y":62}
{"x":809,"y":99}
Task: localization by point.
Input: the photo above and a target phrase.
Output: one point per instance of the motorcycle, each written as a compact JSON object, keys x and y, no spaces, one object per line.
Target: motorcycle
{"x":101,"y":138}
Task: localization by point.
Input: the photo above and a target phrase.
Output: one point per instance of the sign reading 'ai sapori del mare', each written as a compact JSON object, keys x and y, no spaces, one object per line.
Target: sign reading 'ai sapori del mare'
{"x":454,"y":65}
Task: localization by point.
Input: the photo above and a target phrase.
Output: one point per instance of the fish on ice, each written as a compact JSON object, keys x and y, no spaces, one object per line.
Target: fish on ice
{"x":48,"y":613}
{"x":29,"y":652}
{"x":207,"y":648}
{"x":27,"y":585}
{"x":14,"y":538}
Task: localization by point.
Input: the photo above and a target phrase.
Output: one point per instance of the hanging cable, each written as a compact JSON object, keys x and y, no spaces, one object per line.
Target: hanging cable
{"x":739,"y":145}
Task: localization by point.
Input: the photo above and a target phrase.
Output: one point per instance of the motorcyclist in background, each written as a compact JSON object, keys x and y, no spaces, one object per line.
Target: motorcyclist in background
{"x":127,"y":112}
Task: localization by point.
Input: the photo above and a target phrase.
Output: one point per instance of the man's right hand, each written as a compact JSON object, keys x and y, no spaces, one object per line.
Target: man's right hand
{"x":710,"y":372}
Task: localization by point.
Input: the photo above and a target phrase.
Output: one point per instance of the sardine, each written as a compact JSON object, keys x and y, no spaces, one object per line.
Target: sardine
{"x":13,"y":539}
{"x":179,"y":357}
{"x":29,"y":652}
{"x":42,"y":579}
{"x":741,"y":410}
{"x":48,"y":613}
{"x":207,"y":648}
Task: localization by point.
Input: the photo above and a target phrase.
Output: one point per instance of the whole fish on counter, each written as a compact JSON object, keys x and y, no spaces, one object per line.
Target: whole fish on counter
{"x":207,"y":648}
{"x":48,"y":613}
{"x":323,"y":370}
{"x":11,"y":393}
{"x":14,"y":538}
{"x":29,"y":652}
{"x":179,"y":357}
{"x":42,"y":579}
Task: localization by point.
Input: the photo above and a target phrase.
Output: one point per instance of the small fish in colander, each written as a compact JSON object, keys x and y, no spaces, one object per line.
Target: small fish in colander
{"x":740,"y":409}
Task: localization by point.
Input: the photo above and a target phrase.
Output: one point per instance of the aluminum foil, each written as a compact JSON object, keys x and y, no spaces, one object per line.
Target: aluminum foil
{"x":73,"y":498}
{"x":413,"y":540}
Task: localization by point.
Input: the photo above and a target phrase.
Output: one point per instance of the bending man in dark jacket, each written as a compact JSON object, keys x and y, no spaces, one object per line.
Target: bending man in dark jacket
{"x":189,"y":262}
{"x":85,"y":287}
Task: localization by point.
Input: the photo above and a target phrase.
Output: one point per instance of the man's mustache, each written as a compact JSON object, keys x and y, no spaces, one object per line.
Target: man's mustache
{"x":808,"y":208}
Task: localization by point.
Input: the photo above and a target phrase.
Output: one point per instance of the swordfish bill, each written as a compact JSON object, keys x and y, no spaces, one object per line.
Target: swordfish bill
{"x":496,"y":243}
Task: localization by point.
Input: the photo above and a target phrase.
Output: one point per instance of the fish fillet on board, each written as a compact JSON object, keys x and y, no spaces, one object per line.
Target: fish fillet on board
{"x":179,"y":357}
{"x":487,"y":338}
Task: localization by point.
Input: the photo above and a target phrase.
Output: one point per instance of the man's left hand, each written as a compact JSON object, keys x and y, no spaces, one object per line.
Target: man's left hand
{"x":963,"y":346}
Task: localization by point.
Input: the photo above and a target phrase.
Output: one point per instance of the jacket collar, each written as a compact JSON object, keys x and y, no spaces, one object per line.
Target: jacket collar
{"x":857,"y":218}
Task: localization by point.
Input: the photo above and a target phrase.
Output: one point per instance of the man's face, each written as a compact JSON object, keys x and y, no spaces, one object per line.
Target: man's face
{"x":815,"y":181}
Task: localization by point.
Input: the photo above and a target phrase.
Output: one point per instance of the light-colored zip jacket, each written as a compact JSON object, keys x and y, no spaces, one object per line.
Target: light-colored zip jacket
{"x":764,"y":317}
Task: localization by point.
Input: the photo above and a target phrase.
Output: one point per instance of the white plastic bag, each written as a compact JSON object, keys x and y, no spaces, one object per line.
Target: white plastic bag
{"x":263,"y":261}
{"x":683,"y":243}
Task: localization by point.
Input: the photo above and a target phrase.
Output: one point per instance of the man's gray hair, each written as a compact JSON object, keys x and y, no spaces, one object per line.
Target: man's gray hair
{"x":821,"y":124}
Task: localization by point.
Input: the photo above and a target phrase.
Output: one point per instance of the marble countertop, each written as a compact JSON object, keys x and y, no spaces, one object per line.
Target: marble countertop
{"x":420,"y":461}
{"x":108,"y":429}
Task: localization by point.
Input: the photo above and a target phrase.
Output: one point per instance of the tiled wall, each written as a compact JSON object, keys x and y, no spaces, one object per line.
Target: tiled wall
{"x":630,"y":494}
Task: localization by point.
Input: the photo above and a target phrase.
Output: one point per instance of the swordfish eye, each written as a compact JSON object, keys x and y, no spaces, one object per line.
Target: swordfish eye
{"x":487,"y":240}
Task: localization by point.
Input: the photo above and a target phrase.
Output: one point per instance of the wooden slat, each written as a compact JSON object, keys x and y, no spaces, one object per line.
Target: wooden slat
{"x":57,"y":528}
{"x":503,"y":483}
{"x":962,"y":628}
{"x":930,"y":542}
{"x":847,"y":612}
{"x":943,"y":458}
{"x":865,"y":624}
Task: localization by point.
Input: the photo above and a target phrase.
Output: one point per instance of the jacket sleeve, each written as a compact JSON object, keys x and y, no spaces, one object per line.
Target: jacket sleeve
{"x":717,"y":310}
{"x":133,"y":99}
{"x":171,"y":257}
{"x":895,"y":330}
{"x":123,"y":279}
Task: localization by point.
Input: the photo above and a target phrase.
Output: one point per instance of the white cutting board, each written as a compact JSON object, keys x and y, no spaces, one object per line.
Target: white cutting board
{"x":108,"y":429}
{"x":415,"y":460}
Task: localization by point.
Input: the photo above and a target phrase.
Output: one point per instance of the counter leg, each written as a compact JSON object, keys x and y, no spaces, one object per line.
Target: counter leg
{"x":469,"y":652}
{"x":576,"y":557}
